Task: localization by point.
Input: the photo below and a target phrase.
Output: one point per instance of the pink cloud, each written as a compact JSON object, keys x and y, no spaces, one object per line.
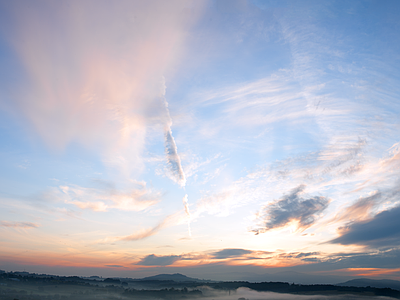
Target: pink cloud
{"x":95,"y":71}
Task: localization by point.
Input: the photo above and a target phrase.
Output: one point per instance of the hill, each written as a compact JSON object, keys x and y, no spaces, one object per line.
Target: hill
{"x":174,"y":277}
{"x":364,"y":282}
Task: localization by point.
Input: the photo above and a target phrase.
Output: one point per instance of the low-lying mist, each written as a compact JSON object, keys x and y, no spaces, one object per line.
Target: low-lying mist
{"x":202,"y":292}
{"x":248,"y":294}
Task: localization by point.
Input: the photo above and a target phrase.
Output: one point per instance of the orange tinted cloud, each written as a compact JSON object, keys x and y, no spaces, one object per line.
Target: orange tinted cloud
{"x":369,"y":272}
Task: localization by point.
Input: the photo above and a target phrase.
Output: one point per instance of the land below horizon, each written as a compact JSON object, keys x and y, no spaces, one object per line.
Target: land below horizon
{"x":31,"y":286}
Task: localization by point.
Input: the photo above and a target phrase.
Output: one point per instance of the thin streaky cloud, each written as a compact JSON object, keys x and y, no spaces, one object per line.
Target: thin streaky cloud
{"x":12,"y":224}
{"x":174,"y":219}
{"x":361,"y":209}
{"x":143,"y":233}
{"x":105,"y":199}
{"x":187,"y":211}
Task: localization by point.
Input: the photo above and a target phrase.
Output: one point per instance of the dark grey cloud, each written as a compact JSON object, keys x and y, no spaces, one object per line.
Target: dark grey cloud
{"x":386,"y":259}
{"x":306,"y":254}
{"x":311,"y":259}
{"x":381,"y":231}
{"x":154,"y":260}
{"x":289,"y":208}
{"x":389,"y":258}
{"x":297,"y":254}
{"x":18,"y":224}
{"x":114,"y":266}
{"x":227,"y":253}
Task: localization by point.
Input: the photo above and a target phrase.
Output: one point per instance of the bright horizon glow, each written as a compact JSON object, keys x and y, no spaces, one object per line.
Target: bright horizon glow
{"x":210,"y":138}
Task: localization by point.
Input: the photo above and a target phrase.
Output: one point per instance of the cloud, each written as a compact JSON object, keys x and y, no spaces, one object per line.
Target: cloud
{"x":176,"y":218}
{"x":217,"y":203}
{"x":376,"y":184}
{"x":93,"y":72}
{"x":306,"y":254}
{"x":102,"y":200}
{"x":361,"y":209}
{"x":173,"y":159}
{"x":18,"y":224}
{"x":175,"y":170}
{"x":383,"y":259}
{"x":187,"y":211}
{"x":154,"y":260}
{"x":320,"y":170}
{"x":144,"y":233}
{"x":393,"y":161}
{"x":228,"y":253}
{"x":95,"y":206}
{"x":256,"y":105}
{"x":291,"y":208}
{"x":375,"y":259}
{"x":341,"y":130}
{"x":339,"y":154}
{"x":381,"y":231}
{"x":115,"y":266}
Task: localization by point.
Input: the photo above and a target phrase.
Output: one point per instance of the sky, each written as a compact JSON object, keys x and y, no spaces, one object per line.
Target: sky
{"x":209,"y":138}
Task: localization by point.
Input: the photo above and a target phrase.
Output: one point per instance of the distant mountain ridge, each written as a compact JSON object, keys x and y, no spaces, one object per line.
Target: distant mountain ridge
{"x":175,"y":277}
{"x":377,"y":283}
{"x":299,"y":278}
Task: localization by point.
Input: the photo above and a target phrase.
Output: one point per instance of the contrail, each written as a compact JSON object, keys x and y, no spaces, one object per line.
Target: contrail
{"x":186,"y":205}
{"x":173,"y":159}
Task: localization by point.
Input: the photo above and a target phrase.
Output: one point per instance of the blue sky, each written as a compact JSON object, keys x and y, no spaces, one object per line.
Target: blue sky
{"x":189,"y":136}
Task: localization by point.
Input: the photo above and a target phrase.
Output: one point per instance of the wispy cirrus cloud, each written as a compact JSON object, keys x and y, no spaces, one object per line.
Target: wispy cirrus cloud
{"x":346,"y":128}
{"x":374,"y":181}
{"x":179,"y":217}
{"x":18,"y":224}
{"x":257,"y":105}
{"x":143,"y":233}
{"x":360,"y":209}
{"x":187,"y":212}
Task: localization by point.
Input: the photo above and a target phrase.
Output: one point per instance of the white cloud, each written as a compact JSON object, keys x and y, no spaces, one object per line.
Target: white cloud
{"x":326,"y":174}
{"x":105,"y":199}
